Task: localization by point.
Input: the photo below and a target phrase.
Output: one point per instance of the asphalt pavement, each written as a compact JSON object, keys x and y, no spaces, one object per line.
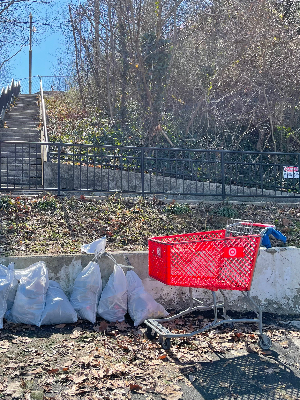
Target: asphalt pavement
{"x":251,"y":374}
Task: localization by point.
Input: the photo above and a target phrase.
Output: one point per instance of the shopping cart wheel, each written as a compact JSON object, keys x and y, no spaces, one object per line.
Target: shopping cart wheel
{"x":265,"y":342}
{"x":150,"y":333}
{"x":166,"y":344}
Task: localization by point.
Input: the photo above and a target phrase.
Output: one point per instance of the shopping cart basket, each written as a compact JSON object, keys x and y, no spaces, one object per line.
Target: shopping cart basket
{"x":215,"y":260}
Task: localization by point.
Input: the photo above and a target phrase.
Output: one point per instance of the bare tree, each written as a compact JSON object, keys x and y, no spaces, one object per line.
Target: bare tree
{"x":14,"y":28}
{"x":237,"y":75}
{"x":222,"y":74}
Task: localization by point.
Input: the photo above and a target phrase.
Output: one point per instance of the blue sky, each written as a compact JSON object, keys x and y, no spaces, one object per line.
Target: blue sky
{"x":48,"y":43}
{"x":43,"y":58}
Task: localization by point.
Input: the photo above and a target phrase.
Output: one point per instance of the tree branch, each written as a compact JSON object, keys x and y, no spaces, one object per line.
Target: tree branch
{"x":8,"y":59}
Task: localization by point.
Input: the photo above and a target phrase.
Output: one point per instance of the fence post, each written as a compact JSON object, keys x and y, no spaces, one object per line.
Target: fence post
{"x":142,"y":172}
{"x":223,"y":174}
{"x":58,"y":168}
{"x":298,"y":171}
{"x":0,"y":166}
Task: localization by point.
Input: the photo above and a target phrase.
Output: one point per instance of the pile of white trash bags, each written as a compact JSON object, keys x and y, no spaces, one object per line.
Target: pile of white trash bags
{"x":28,"y":296}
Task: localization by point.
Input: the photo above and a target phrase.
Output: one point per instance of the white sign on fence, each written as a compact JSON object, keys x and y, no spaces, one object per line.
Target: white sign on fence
{"x":290,"y":172}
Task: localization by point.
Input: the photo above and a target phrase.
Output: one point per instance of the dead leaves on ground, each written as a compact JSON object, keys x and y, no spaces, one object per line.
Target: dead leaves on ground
{"x":84,"y":361}
{"x":113,"y":361}
{"x":47,"y":224}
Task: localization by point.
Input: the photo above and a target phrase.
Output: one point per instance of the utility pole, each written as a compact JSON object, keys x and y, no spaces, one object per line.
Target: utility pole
{"x":30,"y":53}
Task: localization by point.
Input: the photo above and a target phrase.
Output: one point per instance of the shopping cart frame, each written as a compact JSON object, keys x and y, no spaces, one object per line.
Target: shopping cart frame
{"x":155,"y":327}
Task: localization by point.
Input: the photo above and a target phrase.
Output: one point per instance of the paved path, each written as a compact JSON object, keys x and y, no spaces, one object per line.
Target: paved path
{"x":237,"y":373}
{"x":21,"y":162}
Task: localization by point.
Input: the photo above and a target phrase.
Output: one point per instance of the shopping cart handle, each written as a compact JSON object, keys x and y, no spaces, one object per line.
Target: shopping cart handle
{"x":277,"y":235}
{"x":257,"y":224}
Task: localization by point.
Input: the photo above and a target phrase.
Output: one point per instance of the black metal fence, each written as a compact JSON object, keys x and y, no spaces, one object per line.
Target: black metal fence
{"x":150,"y":171}
{"x":178,"y":173}
{"x":7,"y":95}
{"x":21,"y":167}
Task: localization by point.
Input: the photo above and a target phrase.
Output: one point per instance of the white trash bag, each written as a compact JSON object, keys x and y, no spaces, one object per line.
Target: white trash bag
{"x":97,"y":247}
{"x":86,"y":292}
{"x":6,"y":279}
{"x":58,"y":309}
{"x":12,"y":289}
{"x":141,"y":305}
{"x":113,"y":301}
{"x":30,"y":297}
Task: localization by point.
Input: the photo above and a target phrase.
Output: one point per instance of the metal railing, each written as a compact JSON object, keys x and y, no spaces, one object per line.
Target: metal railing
{"x":43,"y":119}
{"x":50,"y":84}
{"x":6,"y":98}
{"x":174,"y":173}
{"x":21,"y":167}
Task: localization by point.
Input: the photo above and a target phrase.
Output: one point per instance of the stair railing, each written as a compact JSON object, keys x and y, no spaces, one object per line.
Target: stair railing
{"x":7,"y":96}
{"x":44,"y":134}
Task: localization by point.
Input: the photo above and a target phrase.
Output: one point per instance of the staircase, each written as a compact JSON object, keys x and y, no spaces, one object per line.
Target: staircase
{"x":21,"y":166}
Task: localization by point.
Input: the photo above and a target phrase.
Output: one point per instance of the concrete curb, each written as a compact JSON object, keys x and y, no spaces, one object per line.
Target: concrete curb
{"x":275,"y":285}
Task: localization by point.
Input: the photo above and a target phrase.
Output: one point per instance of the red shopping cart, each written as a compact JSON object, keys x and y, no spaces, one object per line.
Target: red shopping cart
{"x":215,"y":260}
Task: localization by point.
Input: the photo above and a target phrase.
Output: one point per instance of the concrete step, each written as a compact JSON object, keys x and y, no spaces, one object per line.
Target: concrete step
{"x":19,"y":159}
{"x":20,"y":124}
{"x":19,"y":144}
{"x":21,"y":174}
{"x":23,"y":191}
{"x":26,"y":134}
{"x":33,"y":150}
{"x":20,"y":163}
{"x":19,"y":138}
{"x":13,"y":134}
{"x":18,"y":149}
{"x":25,"y":172}
{"x":20,"y":167}
{"x":19,"y":152}
{"x":19,"y":185}
{"x":21,"y":180}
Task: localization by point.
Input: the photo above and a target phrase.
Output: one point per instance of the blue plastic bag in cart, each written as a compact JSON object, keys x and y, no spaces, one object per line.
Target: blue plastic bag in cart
{"x":277,"y":235}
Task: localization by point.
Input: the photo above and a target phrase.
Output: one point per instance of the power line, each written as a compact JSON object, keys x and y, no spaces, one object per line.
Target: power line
{"x":37,"y":23}
{"x":26,"y":1}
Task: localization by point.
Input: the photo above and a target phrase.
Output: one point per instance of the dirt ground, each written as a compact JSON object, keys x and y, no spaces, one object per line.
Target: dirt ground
{"x":47,"y":224}
{"x":118,"y":361}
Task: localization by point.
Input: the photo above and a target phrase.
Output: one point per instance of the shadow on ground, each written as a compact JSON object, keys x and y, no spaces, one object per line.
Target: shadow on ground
{"x":249,"y":377}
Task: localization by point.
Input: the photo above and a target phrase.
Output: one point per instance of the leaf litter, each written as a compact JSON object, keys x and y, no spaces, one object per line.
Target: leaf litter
{"x":117,"y":361}
{"x":46,"y":224}
{"x":81,"y":361}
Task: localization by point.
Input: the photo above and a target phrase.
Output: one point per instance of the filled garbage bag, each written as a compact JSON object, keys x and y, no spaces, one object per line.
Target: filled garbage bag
{"x":6,"y":279}
{"x":58,"y":309}
{"x":97,"y":247}
{"x":30,"y":297}
{"x":141,"y":305}
{"x":12,"y":289}
{"x":277,"y":235}
{"x":113,"y":301}
{"x":86,"y":292}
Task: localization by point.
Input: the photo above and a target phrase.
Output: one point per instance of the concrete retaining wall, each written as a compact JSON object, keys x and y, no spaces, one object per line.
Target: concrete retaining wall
{"x":109,"y":180}
{"x":275,"y":285}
